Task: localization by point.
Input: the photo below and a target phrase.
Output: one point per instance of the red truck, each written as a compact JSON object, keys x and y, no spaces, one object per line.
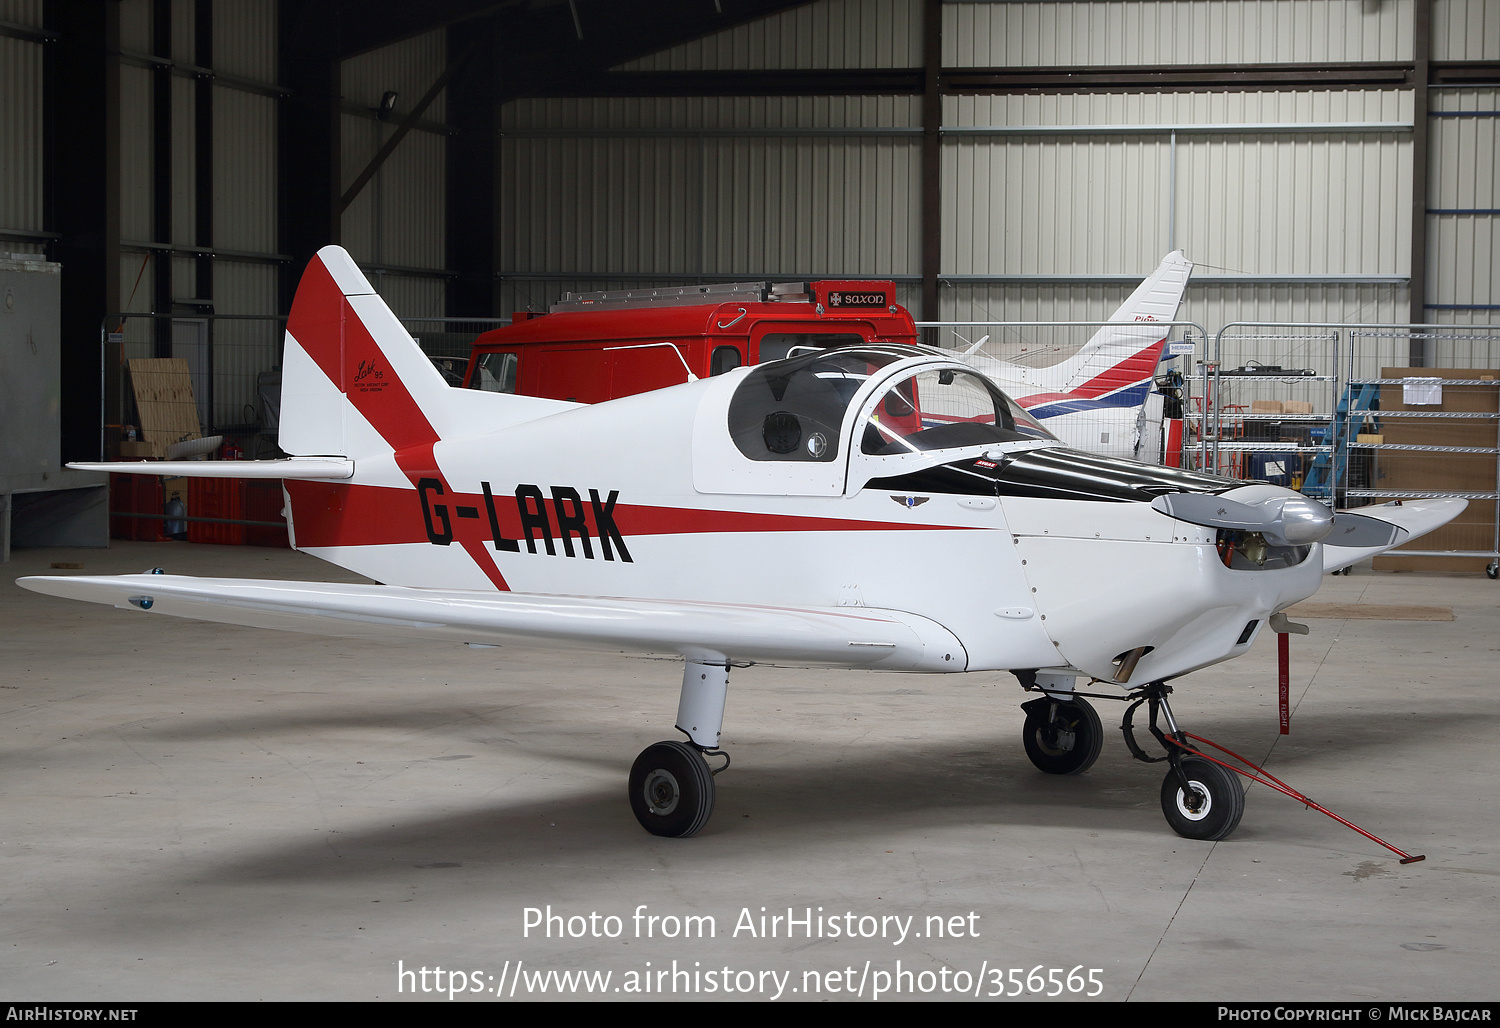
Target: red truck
{"x":598,"y":346}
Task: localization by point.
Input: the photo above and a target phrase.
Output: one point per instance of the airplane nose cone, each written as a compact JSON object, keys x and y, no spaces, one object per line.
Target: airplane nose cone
{"x":1303,"y":521}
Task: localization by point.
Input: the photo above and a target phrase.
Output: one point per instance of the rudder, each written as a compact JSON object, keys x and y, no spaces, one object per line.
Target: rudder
{"x":354,"y":382}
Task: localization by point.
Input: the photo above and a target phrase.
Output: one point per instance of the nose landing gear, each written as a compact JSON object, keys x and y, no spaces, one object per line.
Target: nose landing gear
{"x":1201,"y":799}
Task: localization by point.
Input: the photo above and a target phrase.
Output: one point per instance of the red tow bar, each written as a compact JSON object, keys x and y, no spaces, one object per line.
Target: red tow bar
{"x":1264,"y":777}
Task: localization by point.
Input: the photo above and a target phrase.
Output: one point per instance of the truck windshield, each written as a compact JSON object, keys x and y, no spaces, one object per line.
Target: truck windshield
{"x":495,"y":373}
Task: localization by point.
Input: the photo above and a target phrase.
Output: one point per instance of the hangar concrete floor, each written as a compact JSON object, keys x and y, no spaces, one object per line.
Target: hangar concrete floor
{"x":201,"y":812}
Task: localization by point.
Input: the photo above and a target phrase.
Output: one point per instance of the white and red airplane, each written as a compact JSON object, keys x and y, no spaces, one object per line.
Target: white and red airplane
{"x":1102,"y":398}
{"x":875,"y":506}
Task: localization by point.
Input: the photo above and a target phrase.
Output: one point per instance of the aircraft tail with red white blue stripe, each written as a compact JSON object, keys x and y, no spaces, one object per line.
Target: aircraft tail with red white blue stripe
{"x":1093,"y":400}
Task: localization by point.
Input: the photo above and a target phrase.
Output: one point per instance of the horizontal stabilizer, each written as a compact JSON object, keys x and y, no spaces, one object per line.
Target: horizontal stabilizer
{"x":845,"y":637}
{"x":326,"y":468}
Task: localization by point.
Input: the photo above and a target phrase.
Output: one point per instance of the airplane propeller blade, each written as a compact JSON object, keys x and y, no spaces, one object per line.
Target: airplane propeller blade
{"x":1289,"y":521}
{"x":1210,"y":511}
{"x":1359,"y":530}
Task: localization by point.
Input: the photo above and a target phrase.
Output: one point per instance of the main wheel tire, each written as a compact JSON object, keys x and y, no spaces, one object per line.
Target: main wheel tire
{"x":1066,"y":742}
{"x":671,"y":790}
{"x":1221,"y":804}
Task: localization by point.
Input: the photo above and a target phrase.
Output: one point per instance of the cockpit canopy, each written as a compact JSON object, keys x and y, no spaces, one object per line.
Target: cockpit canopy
{"x":794,"y":409}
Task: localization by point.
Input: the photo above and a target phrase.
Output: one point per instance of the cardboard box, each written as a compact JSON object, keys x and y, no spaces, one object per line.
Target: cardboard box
{"x":1415,"y":470}
{"x":1265,"y":407}
{"x":1296,"y":407}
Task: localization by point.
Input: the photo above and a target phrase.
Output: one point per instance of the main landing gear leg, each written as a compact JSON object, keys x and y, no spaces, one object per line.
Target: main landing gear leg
{"x":1200,"y":798}
{"x":671,"y":785}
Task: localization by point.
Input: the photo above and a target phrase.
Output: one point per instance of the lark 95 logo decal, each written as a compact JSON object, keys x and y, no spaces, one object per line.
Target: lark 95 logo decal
{"x":561,"y":518}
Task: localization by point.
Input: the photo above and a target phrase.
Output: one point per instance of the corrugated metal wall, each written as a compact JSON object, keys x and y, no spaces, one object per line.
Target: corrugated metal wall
{"x":1052,"y":190}
{"x":725,"y":187}
{"x":398,"y":220}
{"x":21,"y":197}
{"x":1086,"y":191}
{"x":1465,"y":30}
{"x":138,"y":269}
{"x":831,"y":34}
{"x":1294,"y":203}
{"x":623,"y":192}
{"x":1463,"y":186}
{"x":1104,"y":32}
{"x":244,"y":162}
{"x":244,"y":103}
{"x":1463,"y":221}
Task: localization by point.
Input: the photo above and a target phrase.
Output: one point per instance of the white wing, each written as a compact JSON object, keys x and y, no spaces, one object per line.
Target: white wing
{"x":1411,"y":518}
{"x":839,"y":636}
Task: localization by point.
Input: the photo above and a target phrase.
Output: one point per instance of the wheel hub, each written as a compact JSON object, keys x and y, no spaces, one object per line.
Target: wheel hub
{"x":661,"y":791}
{"x":1057,"y":738}
{"x":1195,"y":805}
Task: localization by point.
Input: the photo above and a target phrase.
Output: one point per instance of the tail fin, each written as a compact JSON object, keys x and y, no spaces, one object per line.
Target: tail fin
{"x":354,"y":382}
{"x":1128,"y":352}
{"x":1122,"y":353}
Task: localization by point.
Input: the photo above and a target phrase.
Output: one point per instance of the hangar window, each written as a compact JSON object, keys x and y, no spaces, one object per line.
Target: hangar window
{"x":792,"y":410}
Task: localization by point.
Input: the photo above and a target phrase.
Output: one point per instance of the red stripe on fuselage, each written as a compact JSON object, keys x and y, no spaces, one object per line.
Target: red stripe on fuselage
{"x":363,"y":515}
{"x":418,"y":463}
{"x":1128,"y":372}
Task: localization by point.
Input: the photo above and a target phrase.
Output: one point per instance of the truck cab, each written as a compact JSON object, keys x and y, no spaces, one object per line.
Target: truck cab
{"x":590,"y":347}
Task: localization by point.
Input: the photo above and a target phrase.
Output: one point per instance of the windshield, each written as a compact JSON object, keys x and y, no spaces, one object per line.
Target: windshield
{"x":945,"y":408}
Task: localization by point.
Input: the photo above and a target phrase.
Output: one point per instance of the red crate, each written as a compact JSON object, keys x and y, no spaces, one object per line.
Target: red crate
{"x":136,"y":494}
{"x":216,"y":498}
{"x":263,"y":502}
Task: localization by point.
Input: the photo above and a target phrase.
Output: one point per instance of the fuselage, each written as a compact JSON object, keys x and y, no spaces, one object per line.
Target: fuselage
{"x":846,"y":490}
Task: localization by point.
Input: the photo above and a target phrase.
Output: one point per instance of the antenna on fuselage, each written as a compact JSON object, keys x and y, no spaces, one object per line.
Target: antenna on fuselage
{"x":975,"y":348}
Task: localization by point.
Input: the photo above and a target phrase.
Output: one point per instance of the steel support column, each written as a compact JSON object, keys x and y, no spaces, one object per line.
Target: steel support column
{"x":161,"y":173}
{"x":472,"y":163}
{"x":1421,"y":52}
{"x":308,"y":137}
{"x":932,"y":157}
{"x":203,"y":150}
{"x":83,"y":168}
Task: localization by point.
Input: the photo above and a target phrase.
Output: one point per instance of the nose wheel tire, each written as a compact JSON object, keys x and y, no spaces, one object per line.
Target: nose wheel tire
{"x":1215,"y":806}
{"x":1062,"y":737}
{"x":671,"y":790}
